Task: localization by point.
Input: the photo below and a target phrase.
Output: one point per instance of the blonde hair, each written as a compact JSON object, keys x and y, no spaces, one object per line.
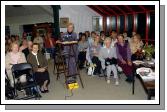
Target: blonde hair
{"x":70,"y":24}
{"x":12,"y":44}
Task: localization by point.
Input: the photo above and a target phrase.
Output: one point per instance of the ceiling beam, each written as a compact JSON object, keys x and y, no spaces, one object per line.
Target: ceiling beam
{"x":129,"y":8}
{"x":110,"y":10}
{"x":143,"y":8}
{"x":102,"y":10}
{"x":119,"y":9}
{"x":97,"y":11}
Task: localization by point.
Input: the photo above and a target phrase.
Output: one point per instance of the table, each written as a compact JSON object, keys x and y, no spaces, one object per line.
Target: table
{"x":149,"y":86}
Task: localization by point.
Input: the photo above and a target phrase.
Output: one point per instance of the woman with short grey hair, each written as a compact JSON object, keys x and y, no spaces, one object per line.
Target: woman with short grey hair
{"x":108,"y":58}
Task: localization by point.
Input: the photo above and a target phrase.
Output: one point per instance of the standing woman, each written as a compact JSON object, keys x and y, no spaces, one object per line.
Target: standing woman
{"x":40,"y":67}
{"x":124,"y":57}
{"x":68,"y":36}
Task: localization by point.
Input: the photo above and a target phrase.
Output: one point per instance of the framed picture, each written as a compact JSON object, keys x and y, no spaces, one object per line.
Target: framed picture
{"x":63,"y":22}
{"x":97,"y":23}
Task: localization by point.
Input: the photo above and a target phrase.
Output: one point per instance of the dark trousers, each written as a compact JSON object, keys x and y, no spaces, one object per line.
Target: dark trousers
{"x":81,"y":59}
{"x":95,"y":60}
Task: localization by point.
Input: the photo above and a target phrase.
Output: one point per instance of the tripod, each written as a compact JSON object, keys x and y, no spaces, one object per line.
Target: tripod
{"x":62,"y":61}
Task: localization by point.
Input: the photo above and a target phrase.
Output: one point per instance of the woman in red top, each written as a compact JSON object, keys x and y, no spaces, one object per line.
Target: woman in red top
{"x":50,"y":44}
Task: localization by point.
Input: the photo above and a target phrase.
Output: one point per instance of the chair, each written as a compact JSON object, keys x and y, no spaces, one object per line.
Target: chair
{"x":9,"y":91}
{"x":29,"y":86}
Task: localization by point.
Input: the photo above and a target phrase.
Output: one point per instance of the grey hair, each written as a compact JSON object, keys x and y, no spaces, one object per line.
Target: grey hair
{"x":107,"y":39}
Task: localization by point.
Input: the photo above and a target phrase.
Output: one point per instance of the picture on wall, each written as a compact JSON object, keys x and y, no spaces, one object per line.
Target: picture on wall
{"x":63,"y":22}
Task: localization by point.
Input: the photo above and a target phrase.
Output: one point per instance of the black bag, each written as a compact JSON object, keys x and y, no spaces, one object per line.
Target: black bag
{"x":109,"y":61}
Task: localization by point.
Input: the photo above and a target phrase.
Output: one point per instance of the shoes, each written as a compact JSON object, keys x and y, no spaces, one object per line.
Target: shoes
{"x":128,"y":80}
{"x":108,"y":81}
{"x":116,"y":83}
{"x":46,"y":91}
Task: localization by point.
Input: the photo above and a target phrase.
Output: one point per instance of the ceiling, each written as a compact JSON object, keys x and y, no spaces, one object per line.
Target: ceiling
{"x":103,"y":10}
{"x":24,"y":10}
{"x":109,"y":10}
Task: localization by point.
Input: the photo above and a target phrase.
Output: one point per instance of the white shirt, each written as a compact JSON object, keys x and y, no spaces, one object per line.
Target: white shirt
{"x":35,"y":54}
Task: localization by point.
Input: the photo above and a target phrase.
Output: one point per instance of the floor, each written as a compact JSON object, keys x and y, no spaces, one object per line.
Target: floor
{"x":96,"y":88}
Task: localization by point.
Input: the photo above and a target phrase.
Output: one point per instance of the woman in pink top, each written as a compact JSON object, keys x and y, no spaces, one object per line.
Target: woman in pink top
{"x":14,"y":57}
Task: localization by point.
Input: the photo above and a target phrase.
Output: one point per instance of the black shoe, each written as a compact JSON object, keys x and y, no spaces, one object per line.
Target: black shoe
{"x":128,"y":80}
{"x":42,"y":91}
{"x":46,"y":91}
{"x":38,"y":95}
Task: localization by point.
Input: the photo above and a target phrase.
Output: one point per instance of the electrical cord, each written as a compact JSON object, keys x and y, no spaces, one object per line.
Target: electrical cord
{"x":71,"y":91}
{"x":72,"y":94}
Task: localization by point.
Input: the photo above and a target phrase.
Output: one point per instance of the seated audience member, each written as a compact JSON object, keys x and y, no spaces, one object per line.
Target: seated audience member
{"x":80,"y":35}
{"x":91,"y":38}
{"x":87,"y":33}
{"x":102,"y":37}
{"x":13,"y":38}
{"x":8,"y":45}
{"x":133,"y":33}
{"x":108,"y":58}
{"x":14,"y":57}
{"x":136,"y":47}
{"x":126,"y":38}
{"x":113,"y":38}
{"x":18,"y":40}
{"x":38,"y":39}
{"x":124,"y":57}
{"x":40,"y":66}
{"x":92,"y":55}
{"x":27,"y":50}
{"x":50,"y":44}
{"x":23,"y":46}
{"x":82,"y":46}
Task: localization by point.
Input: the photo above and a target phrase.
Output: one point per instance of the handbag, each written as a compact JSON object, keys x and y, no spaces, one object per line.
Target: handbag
{"x":91,"y":69}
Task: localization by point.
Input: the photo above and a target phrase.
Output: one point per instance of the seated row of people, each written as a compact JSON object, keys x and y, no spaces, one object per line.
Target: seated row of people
{"x":35,"y":58}
{"x":97,"y":53}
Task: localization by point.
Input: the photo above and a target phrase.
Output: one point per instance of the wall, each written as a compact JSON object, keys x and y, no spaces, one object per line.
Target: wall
{"x":81,"y":16}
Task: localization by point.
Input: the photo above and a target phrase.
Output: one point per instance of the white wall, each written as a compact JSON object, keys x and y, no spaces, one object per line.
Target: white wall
{"x":81,"y":16}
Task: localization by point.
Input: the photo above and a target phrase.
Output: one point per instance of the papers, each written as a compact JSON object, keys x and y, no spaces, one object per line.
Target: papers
{"x":138,"y":62}
{"x":69,"y":42}
{"x":146,"y":74}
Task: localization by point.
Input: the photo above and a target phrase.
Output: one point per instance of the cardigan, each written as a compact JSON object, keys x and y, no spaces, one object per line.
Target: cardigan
{"x":32,"y":60}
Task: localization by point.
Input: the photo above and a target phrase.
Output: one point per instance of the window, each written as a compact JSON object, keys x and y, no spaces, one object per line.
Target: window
{"x":129,"y":25}
{"x":141,"y":24}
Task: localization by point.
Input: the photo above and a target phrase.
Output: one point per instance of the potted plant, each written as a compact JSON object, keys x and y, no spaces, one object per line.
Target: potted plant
{"x":148,"y":51}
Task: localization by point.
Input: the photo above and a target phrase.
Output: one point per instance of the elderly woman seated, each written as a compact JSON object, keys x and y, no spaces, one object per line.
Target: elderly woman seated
{"x":136,"y":45}
{"x":124,"y":57}
{"x":92,"y":55}
{"x":82,"y":46}
{"x":14,"y":57}
{"x":39,"y":64}
{"x":108,"y":58}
